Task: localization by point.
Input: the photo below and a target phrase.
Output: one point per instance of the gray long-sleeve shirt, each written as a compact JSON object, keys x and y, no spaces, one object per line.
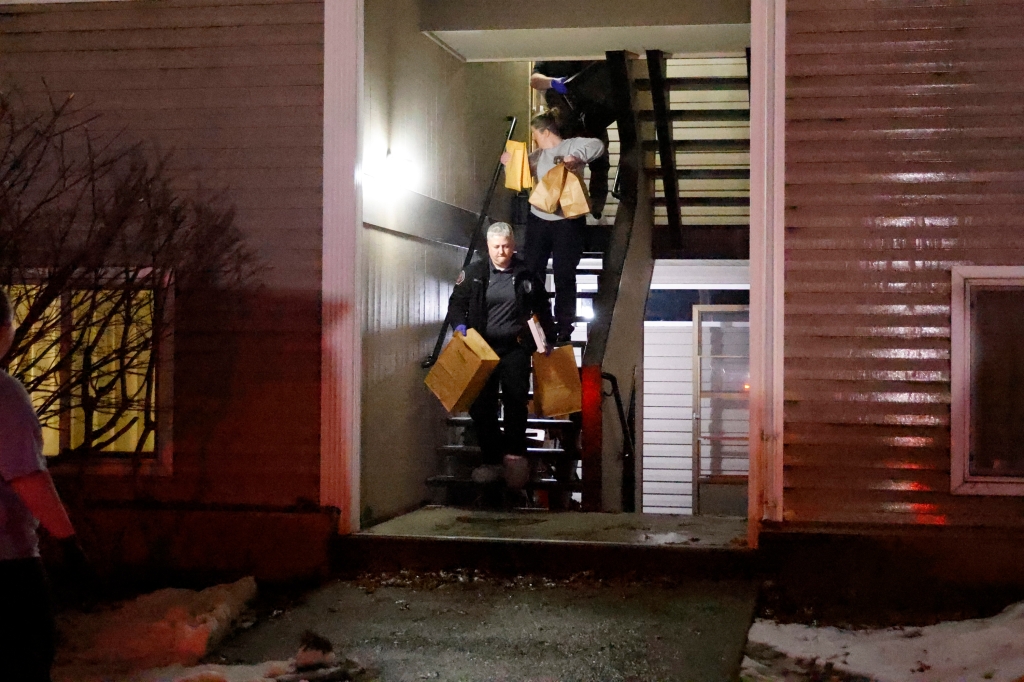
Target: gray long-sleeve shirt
{"x":583,"y":148}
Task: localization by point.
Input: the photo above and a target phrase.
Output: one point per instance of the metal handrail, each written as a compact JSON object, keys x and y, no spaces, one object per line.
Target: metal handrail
{"x":628,"y":445}
{"x":474,"y":238}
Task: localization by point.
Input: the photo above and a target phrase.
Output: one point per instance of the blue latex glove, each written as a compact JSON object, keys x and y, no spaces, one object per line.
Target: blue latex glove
{"x":558,"y":85}
{"x":461,"y":329}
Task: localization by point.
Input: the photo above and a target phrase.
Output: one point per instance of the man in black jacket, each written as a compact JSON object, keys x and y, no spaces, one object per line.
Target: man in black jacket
{"x":497,"y":296}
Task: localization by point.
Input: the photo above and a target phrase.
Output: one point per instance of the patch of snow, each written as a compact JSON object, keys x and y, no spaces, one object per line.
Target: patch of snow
{"x":167,"y":627}
{"x":961,"y":651}
{"x":263,"y":672}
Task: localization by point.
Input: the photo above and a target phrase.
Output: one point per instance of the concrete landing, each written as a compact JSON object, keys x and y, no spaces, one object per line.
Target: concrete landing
{"x":653,"y":530}
{"x":606,"y":545}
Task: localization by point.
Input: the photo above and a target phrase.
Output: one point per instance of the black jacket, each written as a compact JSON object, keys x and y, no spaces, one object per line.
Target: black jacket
{"x":468,"y":302}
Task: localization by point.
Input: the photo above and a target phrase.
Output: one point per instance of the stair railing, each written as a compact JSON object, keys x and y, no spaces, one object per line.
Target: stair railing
{"x":474,"y":240}
{"x":656,"y":66}
{"x":628,"y":445}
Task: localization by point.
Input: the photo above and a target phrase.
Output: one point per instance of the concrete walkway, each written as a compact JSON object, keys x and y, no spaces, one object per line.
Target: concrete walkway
{"x":466,"y":626}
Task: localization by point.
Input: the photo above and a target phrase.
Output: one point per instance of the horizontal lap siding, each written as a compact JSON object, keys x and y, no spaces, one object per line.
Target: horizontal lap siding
{"x":234,"y":90}
{"x":904,"y":157}
{"x":668,"y":418}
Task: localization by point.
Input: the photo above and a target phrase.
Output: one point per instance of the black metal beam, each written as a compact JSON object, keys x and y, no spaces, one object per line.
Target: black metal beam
{"x":666,"y":148}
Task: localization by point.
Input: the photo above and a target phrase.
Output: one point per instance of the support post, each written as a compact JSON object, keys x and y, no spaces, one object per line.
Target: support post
{"x":767,"y":261}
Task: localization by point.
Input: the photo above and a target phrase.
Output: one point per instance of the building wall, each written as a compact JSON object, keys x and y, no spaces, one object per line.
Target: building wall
{"x":903,"y":158}
{"x":469,"y":15}
{"x":444,"y":124}
{"x":234,"y":89}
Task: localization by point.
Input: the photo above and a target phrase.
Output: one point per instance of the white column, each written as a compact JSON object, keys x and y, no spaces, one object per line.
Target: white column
{"x":341,"y":346}
{"x":767,"y":232}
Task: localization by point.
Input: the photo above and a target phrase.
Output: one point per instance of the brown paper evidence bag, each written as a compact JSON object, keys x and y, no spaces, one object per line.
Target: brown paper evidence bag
{"x":561,"y":188}
{"x":466,"y":363}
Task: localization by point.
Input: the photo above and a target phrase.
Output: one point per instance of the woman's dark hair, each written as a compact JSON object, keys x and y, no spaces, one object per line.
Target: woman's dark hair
{"x":547,"y":121}
{"x":6,"y":311}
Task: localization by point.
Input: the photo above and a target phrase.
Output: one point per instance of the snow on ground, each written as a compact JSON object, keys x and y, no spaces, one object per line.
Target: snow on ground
{"x":163,"y":628}
{"x":961,"y":651}
{"x":262,"y":672}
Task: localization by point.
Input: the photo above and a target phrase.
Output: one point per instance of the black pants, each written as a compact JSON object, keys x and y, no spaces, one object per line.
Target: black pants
{"x":512,"y":375}
{"x":562,"y":240}
{"x":26,"y":622}
{"x":599,"y":169}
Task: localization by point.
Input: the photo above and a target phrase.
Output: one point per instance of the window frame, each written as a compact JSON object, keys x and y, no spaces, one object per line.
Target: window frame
{"x":161,"y":461}
{"x":962,"y":482}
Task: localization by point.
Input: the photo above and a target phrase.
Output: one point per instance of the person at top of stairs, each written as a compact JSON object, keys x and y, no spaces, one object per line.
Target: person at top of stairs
{"x":579,"y":116}
{"x":497,"y":296}
{"x":551,"y":234}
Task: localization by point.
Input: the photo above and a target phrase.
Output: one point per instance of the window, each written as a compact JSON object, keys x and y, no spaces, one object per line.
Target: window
{"x":96,"y":362}
{"x":987,"y":354}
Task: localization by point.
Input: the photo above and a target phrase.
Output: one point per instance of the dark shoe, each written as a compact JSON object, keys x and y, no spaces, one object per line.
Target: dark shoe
{"x":563,"y":340}
{"x":596,"y":214}
{"x":487,"y":473}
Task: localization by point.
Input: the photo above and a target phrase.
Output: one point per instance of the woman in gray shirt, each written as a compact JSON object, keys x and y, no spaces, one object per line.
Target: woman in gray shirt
{"x":552,"y":235}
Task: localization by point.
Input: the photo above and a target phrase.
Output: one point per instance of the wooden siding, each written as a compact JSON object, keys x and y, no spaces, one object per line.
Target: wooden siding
{"x":235,"y":89}
{"x":407,"y":282}
{"x":904,"y":157}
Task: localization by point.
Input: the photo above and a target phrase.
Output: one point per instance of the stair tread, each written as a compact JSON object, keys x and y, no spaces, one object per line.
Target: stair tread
{"x":699,"y":83}
{"x":706,"y":201}
{"x":732,"y":145}
{"x":570,"y":486}
{"x":534,"y":421}
{"x":711,"y":226}
{"x":700,"y":115}
{"x":704,"y":173}
{"x":579,"y":294}
{"x":472,"y":449}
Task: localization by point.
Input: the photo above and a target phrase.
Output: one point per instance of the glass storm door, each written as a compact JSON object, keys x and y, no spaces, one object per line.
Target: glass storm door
{"x":721,"y":417}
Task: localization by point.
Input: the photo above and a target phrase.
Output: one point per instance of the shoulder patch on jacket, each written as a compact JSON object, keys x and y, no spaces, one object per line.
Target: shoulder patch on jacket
{"x":461,"y":278}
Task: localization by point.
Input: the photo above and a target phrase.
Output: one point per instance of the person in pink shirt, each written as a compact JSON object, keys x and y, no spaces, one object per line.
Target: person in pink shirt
{"x":28,"y":499}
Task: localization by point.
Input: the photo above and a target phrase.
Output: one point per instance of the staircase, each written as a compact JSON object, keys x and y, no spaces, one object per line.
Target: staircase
{"x":554,"y":454}
{"x":699,"y":155}
{"x":566,"y":462}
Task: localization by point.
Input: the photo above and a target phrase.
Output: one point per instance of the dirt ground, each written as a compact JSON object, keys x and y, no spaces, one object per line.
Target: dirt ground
{"x":468,"y":626}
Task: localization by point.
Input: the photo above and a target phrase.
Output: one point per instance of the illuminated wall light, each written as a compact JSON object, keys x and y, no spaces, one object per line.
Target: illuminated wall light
{"x":391,"y":170}
{"x":401,"y":170}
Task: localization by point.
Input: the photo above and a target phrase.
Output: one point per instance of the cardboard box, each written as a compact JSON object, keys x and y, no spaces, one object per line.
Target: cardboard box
{"x":557,"y":390}
{"x":461,"y":371}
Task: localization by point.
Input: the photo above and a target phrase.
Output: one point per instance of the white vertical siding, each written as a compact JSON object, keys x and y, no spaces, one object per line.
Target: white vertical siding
{"x":668,"y":419}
